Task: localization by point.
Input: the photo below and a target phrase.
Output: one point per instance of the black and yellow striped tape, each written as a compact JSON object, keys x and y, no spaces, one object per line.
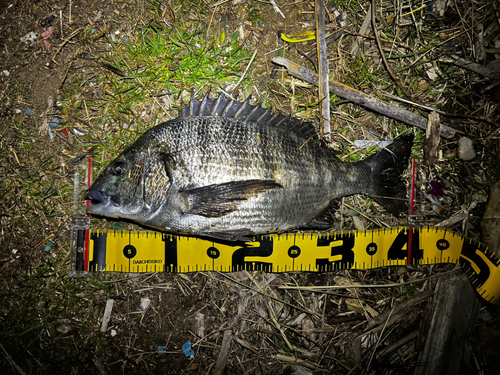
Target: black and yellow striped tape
{"x":149,"y":251}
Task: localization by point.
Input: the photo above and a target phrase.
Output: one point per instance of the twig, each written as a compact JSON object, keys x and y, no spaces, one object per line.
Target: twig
{"x":382,"y":55}
{"x":324,"y":72}
{"x":362,"y":30}
{"x":358,"y":97}
{"x":445,"y":114}
{"x":397,"y":344}
{"x":246,"y":70}
{"x":485,"y":71}
{"x":64,"y":43}
{"x":9,"y":359}
{"x":361,"y":35}
{"x":276,"y":8}
{"x":431,"y":145}
{"x":380,"y":336}
{"x":268,"y":296}
{"x":224,"y":352}
{"x":392,"y":285}
{"x":278,"y":326}
{"x":107,"y":315}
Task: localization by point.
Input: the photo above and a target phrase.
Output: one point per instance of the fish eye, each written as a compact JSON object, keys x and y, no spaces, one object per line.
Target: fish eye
{"x":119,"y":168}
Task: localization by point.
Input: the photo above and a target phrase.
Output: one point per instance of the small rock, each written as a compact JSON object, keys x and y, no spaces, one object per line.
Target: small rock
{"x":465,"y":149}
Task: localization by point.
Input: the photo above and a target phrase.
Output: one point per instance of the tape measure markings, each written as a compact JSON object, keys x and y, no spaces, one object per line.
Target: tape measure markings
{"x":148,"y":251}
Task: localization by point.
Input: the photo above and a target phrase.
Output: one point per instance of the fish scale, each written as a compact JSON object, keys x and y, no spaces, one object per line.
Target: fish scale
{"x":230,"y":170}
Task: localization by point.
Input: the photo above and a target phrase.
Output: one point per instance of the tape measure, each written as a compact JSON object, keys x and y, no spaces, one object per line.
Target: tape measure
{"x":150,"y":251}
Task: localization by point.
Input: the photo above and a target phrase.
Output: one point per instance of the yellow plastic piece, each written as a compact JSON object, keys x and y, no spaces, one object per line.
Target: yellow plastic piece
{"x":304,"y":37}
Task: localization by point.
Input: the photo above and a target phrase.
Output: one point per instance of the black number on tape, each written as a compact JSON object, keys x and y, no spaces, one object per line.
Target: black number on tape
{"x":470,"y":251}
{"x":371,"y":249}
{"x":397,"y":251}
{"x":129,"y":251}
{"x":294,"y":251}
{"x":265,"y":249}
{"x":443,"y":244}
{"x":213,"y":252}
{"x":344,"y":249}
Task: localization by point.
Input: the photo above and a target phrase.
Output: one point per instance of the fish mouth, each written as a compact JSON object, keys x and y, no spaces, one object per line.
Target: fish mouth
{"x":98,"y":200}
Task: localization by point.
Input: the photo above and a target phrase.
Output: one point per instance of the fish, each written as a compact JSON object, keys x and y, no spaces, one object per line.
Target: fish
{"x":229,"y":170}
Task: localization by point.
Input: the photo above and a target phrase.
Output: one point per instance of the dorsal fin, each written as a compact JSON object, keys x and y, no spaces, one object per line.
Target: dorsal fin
{"x":245,"y":111}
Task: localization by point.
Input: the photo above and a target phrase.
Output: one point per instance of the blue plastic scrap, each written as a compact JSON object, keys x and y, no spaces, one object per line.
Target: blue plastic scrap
{"x":186,"y":348}
{"x":55,"y":122}
{"x":162,"y":350}
{"x":49,"y":245}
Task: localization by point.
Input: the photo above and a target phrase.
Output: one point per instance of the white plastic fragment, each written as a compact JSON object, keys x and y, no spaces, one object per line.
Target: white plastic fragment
{"x":30,"y":37}
{"x":363,"y":143}
{"x":465,"y":149}
{"x":199,"y":324}
{"x":145,"y":303}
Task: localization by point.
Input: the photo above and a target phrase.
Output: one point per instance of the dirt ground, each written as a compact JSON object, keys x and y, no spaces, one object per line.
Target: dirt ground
{"x":50,"y":323}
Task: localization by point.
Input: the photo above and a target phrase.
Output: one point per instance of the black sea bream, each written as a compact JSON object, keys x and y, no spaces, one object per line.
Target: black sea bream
{"x":230,"y":170}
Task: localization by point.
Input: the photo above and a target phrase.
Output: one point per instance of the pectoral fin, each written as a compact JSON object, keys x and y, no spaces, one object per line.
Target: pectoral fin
{"x":221,"y":199}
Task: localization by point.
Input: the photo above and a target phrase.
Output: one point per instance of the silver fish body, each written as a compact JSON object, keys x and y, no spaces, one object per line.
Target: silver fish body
{"x":229,"y":170}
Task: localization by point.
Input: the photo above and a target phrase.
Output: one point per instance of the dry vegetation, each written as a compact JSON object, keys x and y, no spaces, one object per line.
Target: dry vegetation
{"x":115,"y":68}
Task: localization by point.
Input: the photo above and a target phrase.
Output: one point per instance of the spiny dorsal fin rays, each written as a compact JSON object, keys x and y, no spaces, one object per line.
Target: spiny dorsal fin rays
{"x":229,"y":108}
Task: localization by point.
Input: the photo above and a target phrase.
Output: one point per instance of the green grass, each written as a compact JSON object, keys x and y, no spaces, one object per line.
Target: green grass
{"x":162,"y":66}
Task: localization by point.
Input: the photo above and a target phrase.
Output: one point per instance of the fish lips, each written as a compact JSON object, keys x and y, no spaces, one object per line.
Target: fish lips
{"x":99,"y":201}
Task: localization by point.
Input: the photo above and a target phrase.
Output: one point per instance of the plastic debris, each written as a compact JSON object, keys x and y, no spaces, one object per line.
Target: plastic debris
{"x":304,"y":37}
{"x":145,"y":303}
{"x":436,"y":189}
{"x":29,"y":111}
{"x":363,"y":143}
{"x":55,"y":122}
{"x":117,"y":226}
{"x":188,"y":351}
{"x":49,"y":246}
{"x":162,"y":350}
{"x":436,"y":196}
{"x":30,"y":37}
{"x":46,"y":35}
{"x":5,"y":73}
{"x":113,"y":333}
{"x":49,"y":21}
{"x":199,"y":324}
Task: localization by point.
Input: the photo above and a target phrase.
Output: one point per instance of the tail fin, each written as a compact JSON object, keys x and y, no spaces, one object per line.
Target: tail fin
{"x":388,"y":187}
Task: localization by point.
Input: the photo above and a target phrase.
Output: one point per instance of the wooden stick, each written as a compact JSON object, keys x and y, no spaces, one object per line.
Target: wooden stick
{"x":431,"y":145}
{"x":324,"y":72}
{"x":224,"y":352}
{"x":358,"y":97}
{"x":397,"y":311}
{"x":382,"y":55}
{"x":454,"y":311}
{"x":107,"y":315}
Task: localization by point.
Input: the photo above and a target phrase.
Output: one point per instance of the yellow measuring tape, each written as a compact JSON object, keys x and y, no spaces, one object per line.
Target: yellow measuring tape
{"x":149,"y":251}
